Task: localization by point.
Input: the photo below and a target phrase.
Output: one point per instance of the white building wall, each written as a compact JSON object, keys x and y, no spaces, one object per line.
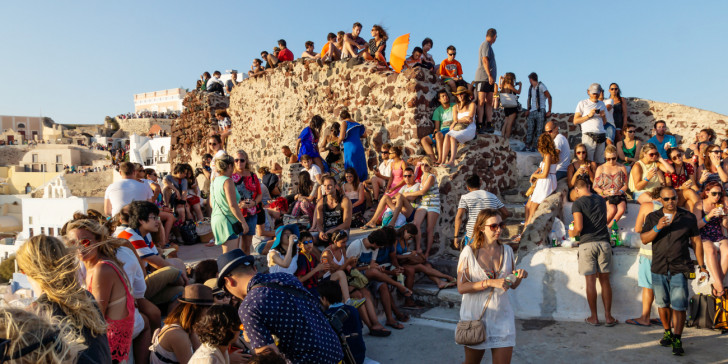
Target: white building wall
{"x":42,"y":214}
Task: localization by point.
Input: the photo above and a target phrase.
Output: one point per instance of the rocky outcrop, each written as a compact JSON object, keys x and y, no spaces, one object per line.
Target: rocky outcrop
{"x":194,"y":125}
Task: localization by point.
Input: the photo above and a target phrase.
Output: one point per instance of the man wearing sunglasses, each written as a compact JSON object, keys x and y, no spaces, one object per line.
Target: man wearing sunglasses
{"x":660,"y":140}
{"x":672,"y":231}
{"x":383,"y":172}
{"x":595,"y":251}
{"x":590,"y":116}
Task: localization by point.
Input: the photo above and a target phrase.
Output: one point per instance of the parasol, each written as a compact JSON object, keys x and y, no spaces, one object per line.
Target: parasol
{"x":399,"y":52}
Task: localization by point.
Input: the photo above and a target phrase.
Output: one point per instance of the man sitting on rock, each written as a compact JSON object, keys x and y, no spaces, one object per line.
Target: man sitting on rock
{"x":333,"y":53}
{"x":285,"y":54}
{"x":353,"y":43}
{"x":382,"y":173}
{"x":215,"y":84}
{"x":442,"y":117}
{"x":452,"y":72}
{"x":309,"y":53}
{"x":472,"y":203}
{"x":271,"y":61}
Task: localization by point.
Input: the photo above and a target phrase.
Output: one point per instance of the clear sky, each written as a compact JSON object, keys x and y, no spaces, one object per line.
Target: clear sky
{"x":78,"y":61}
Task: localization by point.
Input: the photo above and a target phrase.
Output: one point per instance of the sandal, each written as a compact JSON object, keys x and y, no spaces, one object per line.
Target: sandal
{"x":380,"y":333}
{"x":395,"y":325}
{"x":367,"y":227}
{"x":593,"y":324}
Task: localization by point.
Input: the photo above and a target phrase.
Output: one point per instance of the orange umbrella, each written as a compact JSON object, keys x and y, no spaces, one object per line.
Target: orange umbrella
{"x":324,"y":50}
{"x":399,"y":52}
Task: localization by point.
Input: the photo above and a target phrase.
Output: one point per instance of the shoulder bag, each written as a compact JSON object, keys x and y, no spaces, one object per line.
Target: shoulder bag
{"x":508,"y":100}
{"x":472,"y":332}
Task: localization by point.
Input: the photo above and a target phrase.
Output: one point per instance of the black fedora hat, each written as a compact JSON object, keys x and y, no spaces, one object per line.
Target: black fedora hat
{"x":229,"y":261}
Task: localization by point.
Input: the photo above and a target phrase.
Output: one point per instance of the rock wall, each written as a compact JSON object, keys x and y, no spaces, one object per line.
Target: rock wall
{"x":142,"y":126}
{"x":193,"y":126}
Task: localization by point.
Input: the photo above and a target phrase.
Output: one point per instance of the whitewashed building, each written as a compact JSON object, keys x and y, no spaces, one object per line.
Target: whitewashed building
{"x":48,"y":214}
{"x":150,"y":152}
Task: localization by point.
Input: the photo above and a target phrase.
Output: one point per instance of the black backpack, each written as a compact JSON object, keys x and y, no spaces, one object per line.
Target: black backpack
{"x":701,"y":312}
{"x":188,"y":232}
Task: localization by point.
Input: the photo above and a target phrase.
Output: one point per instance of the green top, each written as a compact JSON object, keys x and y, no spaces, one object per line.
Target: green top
{"x":222,"y":218}
{"x":443,"y":116}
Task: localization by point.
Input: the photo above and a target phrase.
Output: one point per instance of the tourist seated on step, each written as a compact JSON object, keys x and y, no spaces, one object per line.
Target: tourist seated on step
{"x":333,"y":305}
{"x":285,"y":54}
{"x":471,"y":204}
{"x":683,"y":180}
{"x":462,"y":129}
{"x":309,"y":53}
{"x":397,"y":167}
{"x":451,"y":71}
{"x":647,"y":173}
{"x":413,"y":61}
{"x":289,"y":158}
{"x":193,"y":208}
{"x":314,"y":171}
{"x":265,"y":234}
{"x":413,"y":261}
{"x":337,"y":265}
{"x":703,"y":139}
{"x":333,"y":212}
{"x":215,"y":84}
{"x":428,"y":207}
{"x":282,"y":256}
{"x":355,"y":191}
{"x":332,"y":53}
{"x":257,"y":68}
{"x":381,"y":173}
{"x":610,"y":182}
{"x":629,"y":147}
{"x":353,"y":44}
{"x":224,"y":126}
{"x":581,"y":169}
{"x":126,"y":190}
{"x":372,"y":259}
{"x":713,"y":169}
{"x":398,"y":204}
{"x":712,"y":221}
{"x":544,"y":178}
{"x":335,"y":160}
{"x":442,"y":118}
{"x":175,"y":192}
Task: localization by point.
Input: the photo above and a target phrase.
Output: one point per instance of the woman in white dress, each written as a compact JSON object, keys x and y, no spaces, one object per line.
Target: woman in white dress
{"x":462,"y":128}
{"x":545,"y":175}
{"x":483,"y":267}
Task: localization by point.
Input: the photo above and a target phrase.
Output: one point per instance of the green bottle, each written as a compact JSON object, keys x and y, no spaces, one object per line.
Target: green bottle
{"x":614,"y":233}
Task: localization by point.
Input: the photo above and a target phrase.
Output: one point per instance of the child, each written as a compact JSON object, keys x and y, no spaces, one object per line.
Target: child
{"x":308,"y":264}
{"x":330,"y":296}
{"x":284,"y":244}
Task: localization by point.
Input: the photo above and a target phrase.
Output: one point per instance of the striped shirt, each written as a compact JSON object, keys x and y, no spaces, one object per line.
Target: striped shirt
{"x":474,"y":202}
{"x":144,"y":246}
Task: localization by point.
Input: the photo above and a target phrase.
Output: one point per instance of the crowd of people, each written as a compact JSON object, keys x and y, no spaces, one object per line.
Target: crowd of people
{"x":149,"y":115}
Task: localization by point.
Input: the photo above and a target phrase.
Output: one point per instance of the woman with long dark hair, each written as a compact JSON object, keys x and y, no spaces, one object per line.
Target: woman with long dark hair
{"x":350,"y":136}
{"x":304,"y":199}
{"x":483,"y":270}
{"x":616,"y":109}
{"x":462,"y":129}
{"x":377,"y":45}
{"x":354,"y":190}
{"x":307,"y":143}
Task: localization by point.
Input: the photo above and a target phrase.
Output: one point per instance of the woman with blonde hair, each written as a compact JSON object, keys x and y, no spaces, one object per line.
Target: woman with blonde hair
{"x":226,"y":213}
{"x":483,"y":269}
{"x":429,"y":205}
{"x":37,"y":338}
{"x":106,"y":281}
{"x":52,"y":269}
{"x":544,"y":177}
{"x":508,"y":86}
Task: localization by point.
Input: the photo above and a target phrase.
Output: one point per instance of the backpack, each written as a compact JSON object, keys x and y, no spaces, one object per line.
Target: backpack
{"x":188,"y":232}
{"x":701,"y":311}
{"x":720,"y":319}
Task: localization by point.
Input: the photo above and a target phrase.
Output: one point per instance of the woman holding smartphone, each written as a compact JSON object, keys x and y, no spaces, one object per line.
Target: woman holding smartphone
{"x":248,"y":186}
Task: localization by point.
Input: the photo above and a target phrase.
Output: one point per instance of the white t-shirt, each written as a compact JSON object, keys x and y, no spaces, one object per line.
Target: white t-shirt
{"x":122,"y":193}
{"x":475,"y":202}
{"x":214,"y":80}
{"x":219,"y":154}
{"x":275,"y":268}
{"x":539,"y":92}
{"x":313,"y":172}
{"x":609,"y":112}
{"x":357,"y":248}
{"x":133,"y":271}
{"x":562,"y":144}
{"x":385,"y":168}
{"x":594,"y":124}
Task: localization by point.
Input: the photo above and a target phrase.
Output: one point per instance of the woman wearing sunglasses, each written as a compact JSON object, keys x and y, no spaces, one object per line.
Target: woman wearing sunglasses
{"x":647,"y":173}
{"x":248,"y":186}
{"x":629,"y":147}
{"x":214,"y":147}
{"x":683,"y":179}
{"x":611,"y":183}
{"x":711,"y":214}
{"x":712,"y":168}
{"x":582,"y":168}
{"x":483,"y":268}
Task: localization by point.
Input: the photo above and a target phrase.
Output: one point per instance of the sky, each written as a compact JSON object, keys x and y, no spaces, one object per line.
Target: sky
{"x":79,"y":61}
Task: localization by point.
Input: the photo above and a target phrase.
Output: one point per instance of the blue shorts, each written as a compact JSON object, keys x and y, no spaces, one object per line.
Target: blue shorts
{"x":252,"y":221}
{"x":610,"y":130}
{"x":671,"y":291}
{"x":443,"y":131}
{"x":644,"y":272}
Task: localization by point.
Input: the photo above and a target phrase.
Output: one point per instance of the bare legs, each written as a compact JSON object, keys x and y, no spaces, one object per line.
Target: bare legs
{"x":508,"y":125}
{"x":648,"y":296}
{"x":340,"y":277}
{"x":451,"y":146}
{"x":498,"y":355}
{"x":531,"y":208}
{"x":385,"y":202}
{"x":247,"y":242}
{"x":367,"y":311}
{"x":232,"y":244}
{"x":717,"y":261}
{"x":591,"y":297}
{"x":615,"y":212}
{"x":377,"y":185}
{"x":402,"y":203}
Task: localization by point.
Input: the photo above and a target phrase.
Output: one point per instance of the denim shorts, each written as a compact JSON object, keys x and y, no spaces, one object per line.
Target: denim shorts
{"x":644,"y":272}
{"x":252,"y":221}
{"x":671,"y":290}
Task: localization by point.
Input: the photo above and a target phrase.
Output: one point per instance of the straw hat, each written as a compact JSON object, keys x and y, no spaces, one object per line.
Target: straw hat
{"x":462,"y":90}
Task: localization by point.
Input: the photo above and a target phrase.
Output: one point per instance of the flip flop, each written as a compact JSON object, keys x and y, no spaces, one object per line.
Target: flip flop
{"x":396,"y":325}
{"x":589,"y":323}
{"x":449,"y":284}
{"x":656,"y":321}
{"x":636,"y":323}
{"x":610,"y":324}
{"x":380,"y":333}
{"x":367,"y":227}
{"x":210,"y":244}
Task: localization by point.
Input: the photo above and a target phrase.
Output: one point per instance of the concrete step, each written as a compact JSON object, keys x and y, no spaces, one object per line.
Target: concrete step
{"x":517,"y":209}
{"x":442,"y":314}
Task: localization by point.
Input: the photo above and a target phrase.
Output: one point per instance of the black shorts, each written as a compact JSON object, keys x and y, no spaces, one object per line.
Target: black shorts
{"x":508,"y":111}
{"x":483,"y":86}
{"x":616,"y":199}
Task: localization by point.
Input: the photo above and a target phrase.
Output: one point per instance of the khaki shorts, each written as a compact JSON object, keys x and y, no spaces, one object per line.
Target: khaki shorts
{"x":163,"y":286}
{"x":595,"y":257}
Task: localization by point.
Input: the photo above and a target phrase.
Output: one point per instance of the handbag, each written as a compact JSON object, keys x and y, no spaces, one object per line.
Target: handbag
{"x":357,"y":279}
{"x":472,"y":332}
{"x":598,"y":138}
{"x":459,"y":126}
{"x":509,"y":100}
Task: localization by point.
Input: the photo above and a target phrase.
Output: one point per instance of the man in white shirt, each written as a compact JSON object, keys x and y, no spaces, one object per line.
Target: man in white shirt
{"x":382,"y":174}
{"x":590,"y":115}
{"x":536,"y":114}
{"x":122,"y":193}
{"x":214,"y":84}
{"x":473,"y":202}
{"x":562,"y":145}
{"x":313,"y":170}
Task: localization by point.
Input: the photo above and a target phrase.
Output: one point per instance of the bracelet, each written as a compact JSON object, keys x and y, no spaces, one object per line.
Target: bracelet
{"x":656,"y":229}
{"x":705,"y":220}
{"x":620,"y":191}
{"x":482,"y":285}
{"x":645,"y":179}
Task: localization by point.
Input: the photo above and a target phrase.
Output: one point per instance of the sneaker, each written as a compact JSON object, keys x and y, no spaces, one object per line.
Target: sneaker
{"x":677,"y":347}
{"x":489,"y":128}
{"x":667,"y":339}
{"x":355,"y":302}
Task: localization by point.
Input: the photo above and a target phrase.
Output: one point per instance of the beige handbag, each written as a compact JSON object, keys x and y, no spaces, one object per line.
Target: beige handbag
{"x":472,"y":332}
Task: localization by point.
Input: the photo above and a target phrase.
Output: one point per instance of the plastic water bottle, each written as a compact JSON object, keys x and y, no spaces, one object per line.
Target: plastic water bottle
{"x":511,"y":278}
{"x":573,"y":238}
{"x":614,"y":234}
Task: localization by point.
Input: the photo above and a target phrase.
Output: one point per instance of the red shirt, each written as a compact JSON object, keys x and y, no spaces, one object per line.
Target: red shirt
{"x":685,"y":173}
{"x":285,"y":55}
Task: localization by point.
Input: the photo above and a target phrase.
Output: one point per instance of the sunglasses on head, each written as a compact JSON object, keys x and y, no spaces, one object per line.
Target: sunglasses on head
{"x":673,"y":198}
{"x":495,"y":227}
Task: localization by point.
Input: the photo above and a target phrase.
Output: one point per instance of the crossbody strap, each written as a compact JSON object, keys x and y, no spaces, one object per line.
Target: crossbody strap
{"x":280,"y":287}
{"x":492,"y":290}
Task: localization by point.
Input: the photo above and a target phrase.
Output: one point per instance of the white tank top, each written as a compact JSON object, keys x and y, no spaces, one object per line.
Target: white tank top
{"x":339,"y":262}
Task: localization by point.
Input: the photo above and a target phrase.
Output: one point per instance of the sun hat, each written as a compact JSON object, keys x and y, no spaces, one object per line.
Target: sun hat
{"x":293,"y":228}
{"x":229,"y":261}
{"x":197,"y":294}
{"x":212,"y":283}
{"x":595,"y":88}
{"x":462,"y":90}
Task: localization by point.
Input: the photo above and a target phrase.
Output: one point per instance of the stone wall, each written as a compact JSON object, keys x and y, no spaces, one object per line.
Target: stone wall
{"x":193,"y":126}
{"x":142,"y":126}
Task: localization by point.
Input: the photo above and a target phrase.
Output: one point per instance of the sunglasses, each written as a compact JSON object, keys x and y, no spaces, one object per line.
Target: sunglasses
{"x":716,"y":194}
{"x":653,"y":154}
{"x":613,"y":88}
{"x":611,"y":159}
{"x":452,"y":54}
{"x":676,"y":157}
{"x":222,"y":295}
{"x":385,"y":152}
{"x":83,"y":242}
{"x":240,"y":160}
{"x":673,"y":198}
{"x":715,"y":151}
{"x":630,"y":131}
{"x":581,"y":152}
{"x":211,"y":143}
{"x":407,"y":175}
{"x":495,"y":227}
{"x":549,"y":131}
{"x":307,"y":241}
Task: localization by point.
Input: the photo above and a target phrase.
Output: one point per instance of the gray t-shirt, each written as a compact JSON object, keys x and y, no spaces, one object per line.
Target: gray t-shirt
{"x":593,"y":210}
{"x":486,"y":51}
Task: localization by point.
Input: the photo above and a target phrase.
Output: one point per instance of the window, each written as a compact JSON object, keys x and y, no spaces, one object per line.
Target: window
{"x":59,"y":167}
{"x":43,"y":168}
{"x":35,"y":158}
{"x":21,"y":126}
{"x":50,"y":231}
{"x":42,"y":230}
{"x":30,"y":220}
{"x":59,"y":158}
{"x":30,"y":232}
